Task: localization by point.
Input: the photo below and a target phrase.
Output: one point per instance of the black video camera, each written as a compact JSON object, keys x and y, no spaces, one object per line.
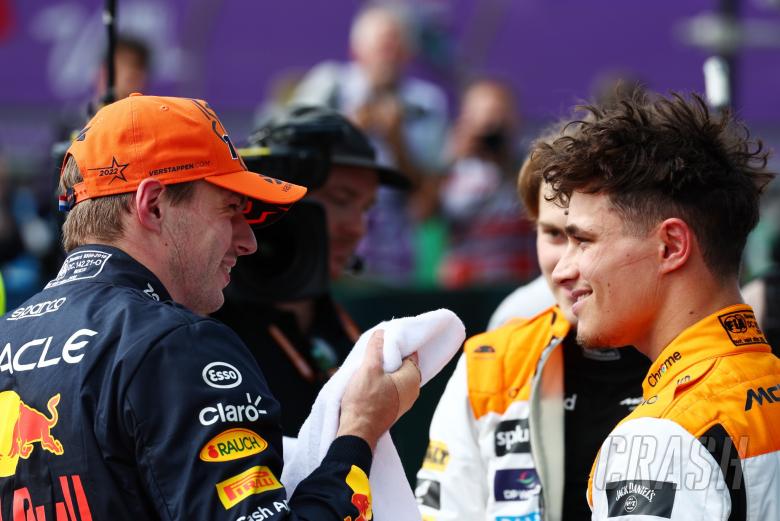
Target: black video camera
{"x":299,"y":153}
{"x":291,"y":262}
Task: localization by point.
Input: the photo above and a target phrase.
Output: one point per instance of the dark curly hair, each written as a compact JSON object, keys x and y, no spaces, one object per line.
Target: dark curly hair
{"x":660,"y":157}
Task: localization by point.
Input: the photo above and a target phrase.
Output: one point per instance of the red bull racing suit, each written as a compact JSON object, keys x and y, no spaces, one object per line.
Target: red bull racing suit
{"x":116,"y":403}
{"x":705,"y":442}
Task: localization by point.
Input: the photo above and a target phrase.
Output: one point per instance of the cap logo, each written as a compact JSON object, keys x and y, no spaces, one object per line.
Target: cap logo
{"x":205,"y":109}
{"x":226,"y":139}
{"x":221,"y":133}
{"x":116,"y":170}
{"x":83,"y":134}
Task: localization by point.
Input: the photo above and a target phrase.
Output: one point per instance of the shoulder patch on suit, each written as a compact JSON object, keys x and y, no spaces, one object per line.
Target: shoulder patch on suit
{"x":640,"y":497}
{"x":742,"y":328}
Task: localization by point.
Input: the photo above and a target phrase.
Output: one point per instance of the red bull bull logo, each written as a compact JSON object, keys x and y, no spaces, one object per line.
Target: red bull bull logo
{"x":361,"y":497}
{"x":363,"y":504}
{"x":21,"y":427}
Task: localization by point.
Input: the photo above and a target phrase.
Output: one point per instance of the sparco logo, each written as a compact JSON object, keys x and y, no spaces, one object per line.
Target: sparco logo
{"x":221,"y":375}
{"x":513,"y":436}
{"x":36,"y":310}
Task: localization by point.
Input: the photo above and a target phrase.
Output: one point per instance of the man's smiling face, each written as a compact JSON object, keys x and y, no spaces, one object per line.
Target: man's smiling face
{"x":610,"y":273}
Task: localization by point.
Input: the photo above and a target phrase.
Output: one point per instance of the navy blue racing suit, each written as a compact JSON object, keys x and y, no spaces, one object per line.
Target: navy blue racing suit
{"x":117,"y":403}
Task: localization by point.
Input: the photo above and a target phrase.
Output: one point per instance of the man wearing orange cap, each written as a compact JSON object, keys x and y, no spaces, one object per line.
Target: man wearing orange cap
{"x":119,"y":398}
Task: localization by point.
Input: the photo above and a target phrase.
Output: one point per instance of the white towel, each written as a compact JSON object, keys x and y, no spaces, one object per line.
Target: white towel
{"x":436,"y":336}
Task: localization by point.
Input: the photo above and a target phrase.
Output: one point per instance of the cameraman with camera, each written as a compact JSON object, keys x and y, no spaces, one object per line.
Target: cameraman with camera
{"x":279,"y":300}
{"x":490,"y":239}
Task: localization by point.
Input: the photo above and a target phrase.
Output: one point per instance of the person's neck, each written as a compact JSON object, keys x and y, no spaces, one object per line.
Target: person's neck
{"x":151,"y":257}
{"x":302,"y":310}
{"x":686,"y":304}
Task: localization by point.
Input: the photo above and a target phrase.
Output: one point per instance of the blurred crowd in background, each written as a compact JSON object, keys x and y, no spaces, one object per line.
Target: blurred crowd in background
{"x":416,"y":77}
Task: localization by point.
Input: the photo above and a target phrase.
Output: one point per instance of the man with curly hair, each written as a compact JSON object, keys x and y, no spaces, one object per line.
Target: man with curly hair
{"x":661,"y":195}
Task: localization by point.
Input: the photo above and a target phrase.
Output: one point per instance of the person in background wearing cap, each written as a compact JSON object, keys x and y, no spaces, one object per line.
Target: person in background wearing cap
{"x":298,"y":333}
{"x":119,"y":398}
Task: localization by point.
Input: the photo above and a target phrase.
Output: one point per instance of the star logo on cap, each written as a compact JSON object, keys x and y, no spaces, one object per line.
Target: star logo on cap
{"x":116,"y":170}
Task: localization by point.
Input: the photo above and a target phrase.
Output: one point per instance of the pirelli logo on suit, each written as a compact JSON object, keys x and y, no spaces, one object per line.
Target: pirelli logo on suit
{"x":255,"y":480}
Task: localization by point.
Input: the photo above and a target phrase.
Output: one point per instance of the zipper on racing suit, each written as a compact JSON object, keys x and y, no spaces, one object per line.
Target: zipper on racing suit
{"x":546,"y":417}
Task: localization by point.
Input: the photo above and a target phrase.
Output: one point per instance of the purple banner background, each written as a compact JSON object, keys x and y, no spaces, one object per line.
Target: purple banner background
{"x":230,"y":52}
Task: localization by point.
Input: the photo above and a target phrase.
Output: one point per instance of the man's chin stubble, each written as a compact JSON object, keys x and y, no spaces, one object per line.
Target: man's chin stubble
{"x":593,"y":341}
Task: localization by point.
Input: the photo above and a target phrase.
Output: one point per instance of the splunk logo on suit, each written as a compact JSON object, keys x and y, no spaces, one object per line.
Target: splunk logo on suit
{"x":512,"y":437}
{"x":39,"y":353}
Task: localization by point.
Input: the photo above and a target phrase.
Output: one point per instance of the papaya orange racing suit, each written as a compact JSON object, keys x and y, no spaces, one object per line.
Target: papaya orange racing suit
{"x":705,"y":442}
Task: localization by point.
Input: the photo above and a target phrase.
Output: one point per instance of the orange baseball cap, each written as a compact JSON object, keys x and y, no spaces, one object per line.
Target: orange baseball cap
{"x":170,"y":139}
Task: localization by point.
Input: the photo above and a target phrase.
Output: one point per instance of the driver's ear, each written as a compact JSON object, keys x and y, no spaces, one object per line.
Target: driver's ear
{"x":149,"y":205}
{"x":676,"y":241}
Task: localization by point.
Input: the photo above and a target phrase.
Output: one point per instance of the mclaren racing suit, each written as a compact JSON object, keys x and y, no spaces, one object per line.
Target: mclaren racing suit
{"x":520,"y":421}
{"x":116,"y":403}
{"x":705,"y":442}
